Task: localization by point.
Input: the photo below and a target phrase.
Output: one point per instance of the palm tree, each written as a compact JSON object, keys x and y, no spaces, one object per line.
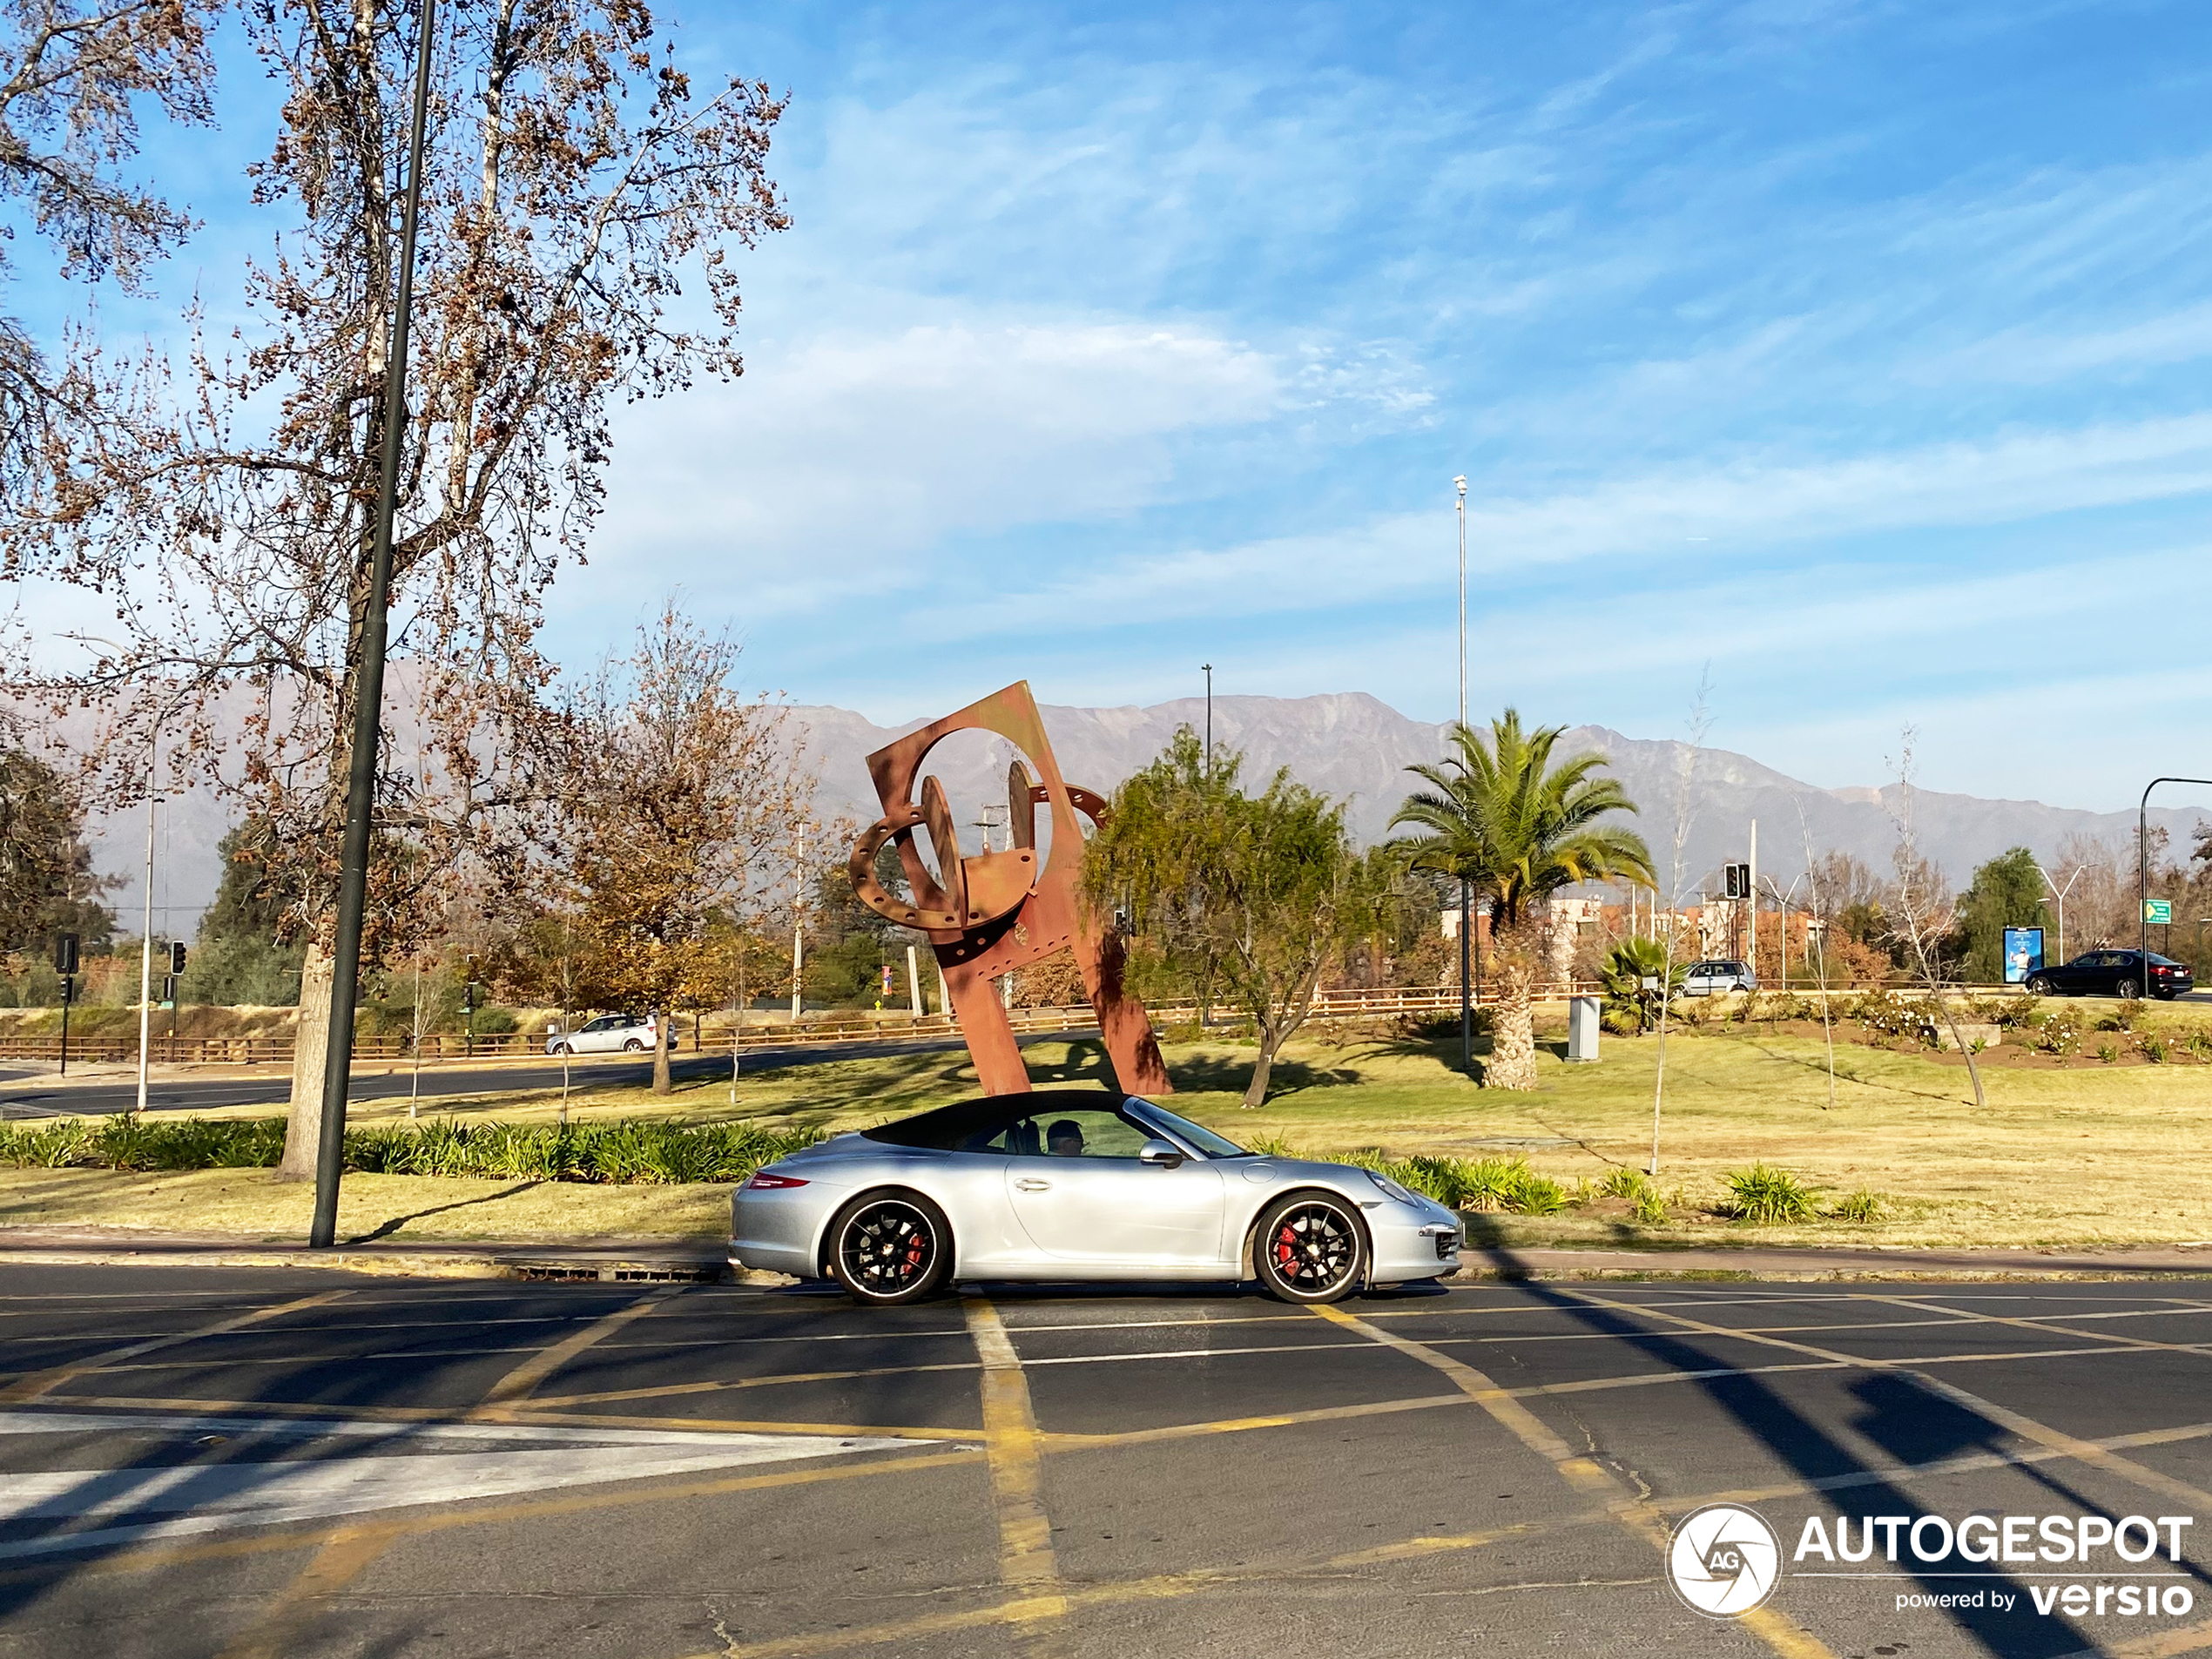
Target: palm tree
{"x":1517,"y":829}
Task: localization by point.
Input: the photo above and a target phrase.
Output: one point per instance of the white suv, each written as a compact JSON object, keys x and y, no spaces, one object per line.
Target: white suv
{"x":1707,"y":979}
{"x":609,"y":1034}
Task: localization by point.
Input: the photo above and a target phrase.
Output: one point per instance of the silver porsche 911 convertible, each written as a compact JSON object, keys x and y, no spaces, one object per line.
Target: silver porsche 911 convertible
{"x":1079,"y":1184}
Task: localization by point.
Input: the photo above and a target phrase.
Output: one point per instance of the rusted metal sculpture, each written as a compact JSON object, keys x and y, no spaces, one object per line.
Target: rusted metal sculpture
{"x":990,"y":913}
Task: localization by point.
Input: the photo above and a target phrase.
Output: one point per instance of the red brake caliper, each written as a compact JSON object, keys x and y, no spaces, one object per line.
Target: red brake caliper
{"x":1286,"y":1248}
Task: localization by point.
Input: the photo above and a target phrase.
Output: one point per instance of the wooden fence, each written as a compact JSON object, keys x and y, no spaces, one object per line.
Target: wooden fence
{"x":807,"y":1032}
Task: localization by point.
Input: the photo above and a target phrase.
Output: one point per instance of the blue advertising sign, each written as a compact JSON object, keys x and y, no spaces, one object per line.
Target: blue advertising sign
{"x":2023,"y":953}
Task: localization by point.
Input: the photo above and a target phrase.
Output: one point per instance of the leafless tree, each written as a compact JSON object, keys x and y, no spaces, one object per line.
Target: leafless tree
{"x":573,"y":174}
{"x":1923,"y":911}
{"x":1685,"y":805}
{"x":1814,"y":898}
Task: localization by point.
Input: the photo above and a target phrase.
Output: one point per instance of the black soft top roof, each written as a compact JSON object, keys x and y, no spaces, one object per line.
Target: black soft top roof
{"x":951,"y":1125}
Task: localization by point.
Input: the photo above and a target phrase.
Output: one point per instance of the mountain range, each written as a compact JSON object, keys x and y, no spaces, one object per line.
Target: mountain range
{"x":1349,"y":745}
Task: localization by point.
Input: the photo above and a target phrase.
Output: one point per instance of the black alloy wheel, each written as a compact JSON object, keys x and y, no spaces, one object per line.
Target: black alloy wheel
{"x":2039,"y":985}
{"x":1309,"y":1249}
{"x":890,"y":1248}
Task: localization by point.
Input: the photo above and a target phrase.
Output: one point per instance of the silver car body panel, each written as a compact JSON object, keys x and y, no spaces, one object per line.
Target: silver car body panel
{"x":1045,"y":1218}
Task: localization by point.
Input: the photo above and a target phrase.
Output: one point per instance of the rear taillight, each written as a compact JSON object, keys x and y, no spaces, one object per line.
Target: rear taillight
{"x":767,"y":1182}
{"x":2162,"y":970}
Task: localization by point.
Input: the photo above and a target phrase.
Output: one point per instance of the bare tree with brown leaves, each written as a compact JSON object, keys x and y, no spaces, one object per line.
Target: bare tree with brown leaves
{"x":682,"y":806}
{"x":73,"y":79}
{"x":573,"y":173}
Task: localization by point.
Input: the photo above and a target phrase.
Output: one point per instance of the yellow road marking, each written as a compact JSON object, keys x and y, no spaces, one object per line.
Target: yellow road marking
{"x":2187,"y":1638}
{"x":518,"y":1384}
{"x":1015,"y":1454}
{"x":144,"y":1558}
{"x":335,"y":1565}
{"x":2117,"y":1343}
{"x":1159,"y":1588}
{"x":352,"y":1552}
{"x":528,"y":1411}
{"x":2026,"y":1427}
{"x":38,"y":1383}
{"x":1584,"y":1475}
{"x":546,"y":1402}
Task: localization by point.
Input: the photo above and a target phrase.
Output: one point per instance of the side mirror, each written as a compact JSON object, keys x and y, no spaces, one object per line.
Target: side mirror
{"x":1161,"y":1154}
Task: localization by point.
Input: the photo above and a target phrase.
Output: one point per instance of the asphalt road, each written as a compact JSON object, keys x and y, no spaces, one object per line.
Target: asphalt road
{"x":44,"y":1096}
{"x":235,"y":1464}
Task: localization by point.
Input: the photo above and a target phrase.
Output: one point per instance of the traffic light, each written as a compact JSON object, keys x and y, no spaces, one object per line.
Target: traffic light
{"x":1739,"y":880}
{"x":66,"y":954}
{"x":169,"y":988}
{"x":176,"y":957}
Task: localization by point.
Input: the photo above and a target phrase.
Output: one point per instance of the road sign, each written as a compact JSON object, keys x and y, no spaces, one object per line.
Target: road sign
{"x":2160,"y":911}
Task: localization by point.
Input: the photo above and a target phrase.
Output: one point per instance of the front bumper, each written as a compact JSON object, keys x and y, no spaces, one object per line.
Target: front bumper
{"x":1413,"y":1243}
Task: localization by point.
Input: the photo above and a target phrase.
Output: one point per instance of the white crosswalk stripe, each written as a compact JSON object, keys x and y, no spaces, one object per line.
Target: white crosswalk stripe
{"x":386,"y":1466}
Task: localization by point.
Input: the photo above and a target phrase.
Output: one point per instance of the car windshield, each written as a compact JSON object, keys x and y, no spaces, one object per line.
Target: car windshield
{"x":1200,"y":1139}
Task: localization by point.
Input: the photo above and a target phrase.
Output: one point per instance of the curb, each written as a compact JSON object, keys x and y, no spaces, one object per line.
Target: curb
{"x":512,"y":1261}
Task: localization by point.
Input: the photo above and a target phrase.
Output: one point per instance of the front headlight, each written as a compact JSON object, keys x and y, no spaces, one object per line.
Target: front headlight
{"x":1391,"y":1187}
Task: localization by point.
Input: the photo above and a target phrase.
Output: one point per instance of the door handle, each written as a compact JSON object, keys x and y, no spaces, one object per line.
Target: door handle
{"x":1034,"y":1186}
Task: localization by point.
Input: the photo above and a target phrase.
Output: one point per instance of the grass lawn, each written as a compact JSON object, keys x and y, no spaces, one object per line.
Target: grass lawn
{"x":2110,"y":1154}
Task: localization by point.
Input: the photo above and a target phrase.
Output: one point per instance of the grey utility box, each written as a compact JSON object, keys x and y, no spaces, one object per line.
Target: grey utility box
{"x":1581,"y":1030}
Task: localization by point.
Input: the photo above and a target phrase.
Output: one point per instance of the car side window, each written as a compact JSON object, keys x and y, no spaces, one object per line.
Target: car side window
{"x":1083,"y":1132}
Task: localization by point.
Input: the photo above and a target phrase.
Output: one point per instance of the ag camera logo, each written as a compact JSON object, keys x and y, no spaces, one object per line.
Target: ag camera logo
{"x":1724,"y":1560}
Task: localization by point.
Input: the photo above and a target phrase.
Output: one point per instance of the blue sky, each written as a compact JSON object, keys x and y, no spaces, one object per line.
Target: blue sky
{"x":1858,"y":350}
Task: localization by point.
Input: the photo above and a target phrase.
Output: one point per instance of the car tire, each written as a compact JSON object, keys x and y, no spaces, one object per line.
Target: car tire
{"x":633,"y":1046}
{"x":887,"y":1249}
{"x":1310,"y":1248}
{"x":2039,"y":985}
{"x":2127,"y":990}
{"x":562,"y":1049}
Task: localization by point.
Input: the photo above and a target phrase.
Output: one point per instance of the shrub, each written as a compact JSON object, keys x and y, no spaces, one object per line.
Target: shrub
{"x":2200,"y":1044}
{"x":1649,"y":1208}
{"x":2107,"y":1052}
{"x":1861,"y":1206}
{"x":2153,"y":1048}
{"x":1625,"y":1183}
{"x":1765,"y":1194}
{"x":1537,"y":1195}
{"x":630,"y":1149}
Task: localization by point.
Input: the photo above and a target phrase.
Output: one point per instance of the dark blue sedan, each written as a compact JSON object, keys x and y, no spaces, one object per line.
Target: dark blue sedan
{"x":2113,"y":973}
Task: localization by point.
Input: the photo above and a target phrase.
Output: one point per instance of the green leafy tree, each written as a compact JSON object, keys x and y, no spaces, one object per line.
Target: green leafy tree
{"x":2007,"y":892}
{"x":1626,"y":968}
{"x":1517,"y":829}
{"x":46,"y":880}
{"x":1263,"y":892}
{"x":241,"y":953}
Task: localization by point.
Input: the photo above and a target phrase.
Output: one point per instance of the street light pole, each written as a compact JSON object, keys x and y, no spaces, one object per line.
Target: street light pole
{"x":1207,"y":770}
{"x":2142,"y":872}
{"x":146,"y":942}
{"x":1467,"y":907}
{"x":368,"y":692}
{"x":2058,"y":893}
